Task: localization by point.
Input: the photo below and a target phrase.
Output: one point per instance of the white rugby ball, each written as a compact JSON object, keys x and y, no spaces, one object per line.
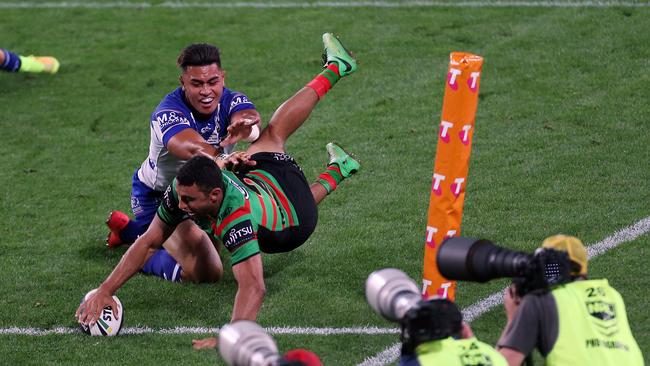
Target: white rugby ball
{"x":106,"y":324}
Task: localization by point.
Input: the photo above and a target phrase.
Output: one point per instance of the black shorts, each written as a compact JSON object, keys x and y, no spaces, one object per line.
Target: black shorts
{"x":294,"y":184}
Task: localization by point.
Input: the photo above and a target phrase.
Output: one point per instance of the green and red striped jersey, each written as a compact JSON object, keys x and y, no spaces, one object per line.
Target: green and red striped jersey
{"x":250,"y":201}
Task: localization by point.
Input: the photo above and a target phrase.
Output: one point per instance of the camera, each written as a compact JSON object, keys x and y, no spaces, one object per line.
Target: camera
{"x":391,"y":293}
{"x":395,"y":296}
{"x":245,"y":343}
{"x":480,"y":260}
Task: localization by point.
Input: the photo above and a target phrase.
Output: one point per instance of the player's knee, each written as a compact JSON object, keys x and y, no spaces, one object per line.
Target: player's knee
{"x":212,"y":276}
{"x":259,"y":290}
{"x":195,"y":236}
{"x":213,"y":273}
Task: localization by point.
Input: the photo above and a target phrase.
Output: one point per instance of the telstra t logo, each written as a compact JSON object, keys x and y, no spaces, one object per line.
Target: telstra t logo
{"x":472,"y":82}
{"x":457,"y":186}
{"x":451,"y":78}
{"x":435,"y":187}
{"x":444,"y":130}
{"x":464,"y":134}
{"x":431,"y":231}
{"x":450,"y":234}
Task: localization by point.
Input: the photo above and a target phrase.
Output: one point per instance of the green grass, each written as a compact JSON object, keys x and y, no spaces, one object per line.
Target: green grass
{"x":560,"y":146}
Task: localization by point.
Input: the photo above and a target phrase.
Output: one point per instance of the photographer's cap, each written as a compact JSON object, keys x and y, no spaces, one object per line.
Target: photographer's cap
{"x":303,"y":357}
{"x":572,"y":246}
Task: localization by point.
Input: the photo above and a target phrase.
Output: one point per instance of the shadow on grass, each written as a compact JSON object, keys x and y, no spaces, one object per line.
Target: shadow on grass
{"x":96,"y":251}
{"x":278,"y":263}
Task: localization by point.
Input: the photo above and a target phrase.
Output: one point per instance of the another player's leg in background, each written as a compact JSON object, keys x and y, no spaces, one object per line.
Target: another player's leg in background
{"x":188,"y":255}
{"x":295,"y":111}
{"x":9,"y":61}
{"x":144,"y":204}
{"x":123,"y":230}
{"x":13,"y":62}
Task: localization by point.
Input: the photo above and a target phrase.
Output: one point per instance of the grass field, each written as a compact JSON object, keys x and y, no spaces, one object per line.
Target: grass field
{"x":561,"y":145}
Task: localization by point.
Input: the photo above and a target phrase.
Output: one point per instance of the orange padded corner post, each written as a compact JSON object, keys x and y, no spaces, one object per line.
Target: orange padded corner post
{"x":451,"y":166}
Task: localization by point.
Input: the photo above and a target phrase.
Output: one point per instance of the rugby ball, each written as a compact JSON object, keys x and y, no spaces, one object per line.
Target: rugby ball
{"x":106,"y":324}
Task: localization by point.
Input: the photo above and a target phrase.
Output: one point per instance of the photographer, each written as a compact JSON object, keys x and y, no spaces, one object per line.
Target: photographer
{"x":432,"y":332}
{"x":581,"y":322}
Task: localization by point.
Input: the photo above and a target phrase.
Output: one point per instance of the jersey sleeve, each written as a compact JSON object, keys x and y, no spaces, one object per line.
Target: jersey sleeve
{"x":168,"y":211}
{"x":239,"y":235}
{"x":239,"y":102}
{"x":168,"y":122}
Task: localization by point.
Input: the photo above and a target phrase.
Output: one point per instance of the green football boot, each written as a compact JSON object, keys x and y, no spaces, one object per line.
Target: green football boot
{"x":37,"y":64}
{"x":336,"y":52}
{"x":346,"y":163}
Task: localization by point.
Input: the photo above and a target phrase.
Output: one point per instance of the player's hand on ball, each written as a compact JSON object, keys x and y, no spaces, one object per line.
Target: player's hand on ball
{"x":91,"y":308}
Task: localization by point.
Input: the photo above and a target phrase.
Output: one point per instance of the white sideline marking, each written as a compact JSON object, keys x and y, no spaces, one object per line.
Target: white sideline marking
{"x":472,"y":312}
{"x":327,"y":4}
{"x":205,"y":330}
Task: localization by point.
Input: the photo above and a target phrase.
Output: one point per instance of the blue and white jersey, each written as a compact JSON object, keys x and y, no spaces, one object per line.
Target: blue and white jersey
{"x":173,"y":115}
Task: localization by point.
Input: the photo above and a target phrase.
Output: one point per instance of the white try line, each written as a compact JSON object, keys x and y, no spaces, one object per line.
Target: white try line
{"x":471,"y":313}
{"x":205,"y":330}
{"x":324,"y":4}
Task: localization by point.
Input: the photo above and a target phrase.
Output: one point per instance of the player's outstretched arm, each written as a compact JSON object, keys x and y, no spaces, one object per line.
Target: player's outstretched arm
{"x":244,"y":125}
{"x":250,"y":291}
{"x":131,"y":262}
{"x":189,"y":143}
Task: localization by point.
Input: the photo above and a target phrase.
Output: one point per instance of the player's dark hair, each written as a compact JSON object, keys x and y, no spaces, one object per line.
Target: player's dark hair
{"x":199,"y":54}
{"x":202,"y":171}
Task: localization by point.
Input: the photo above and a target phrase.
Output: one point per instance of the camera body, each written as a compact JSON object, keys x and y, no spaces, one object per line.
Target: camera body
{"x":395,"y":296}
{"x":479,"y":260}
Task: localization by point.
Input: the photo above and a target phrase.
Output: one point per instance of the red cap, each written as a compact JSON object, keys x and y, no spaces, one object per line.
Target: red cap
{"x":309,"y":358}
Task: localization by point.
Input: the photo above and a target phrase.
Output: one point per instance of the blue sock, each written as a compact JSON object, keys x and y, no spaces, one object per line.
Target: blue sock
{"x":163,"y":265}
{"x":12,"y":61}
{"x":133,"y":230}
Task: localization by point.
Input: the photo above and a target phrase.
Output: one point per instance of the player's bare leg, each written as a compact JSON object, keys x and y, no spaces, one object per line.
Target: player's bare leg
{"x":285,"y":121}
{"x":195,"y":253}
{"x":294,"y":112}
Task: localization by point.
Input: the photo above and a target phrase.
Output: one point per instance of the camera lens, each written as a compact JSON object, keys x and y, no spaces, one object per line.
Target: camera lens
{"x":470,"y":259}
{"x":244,"y":343}
{"x":391,"y":293}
